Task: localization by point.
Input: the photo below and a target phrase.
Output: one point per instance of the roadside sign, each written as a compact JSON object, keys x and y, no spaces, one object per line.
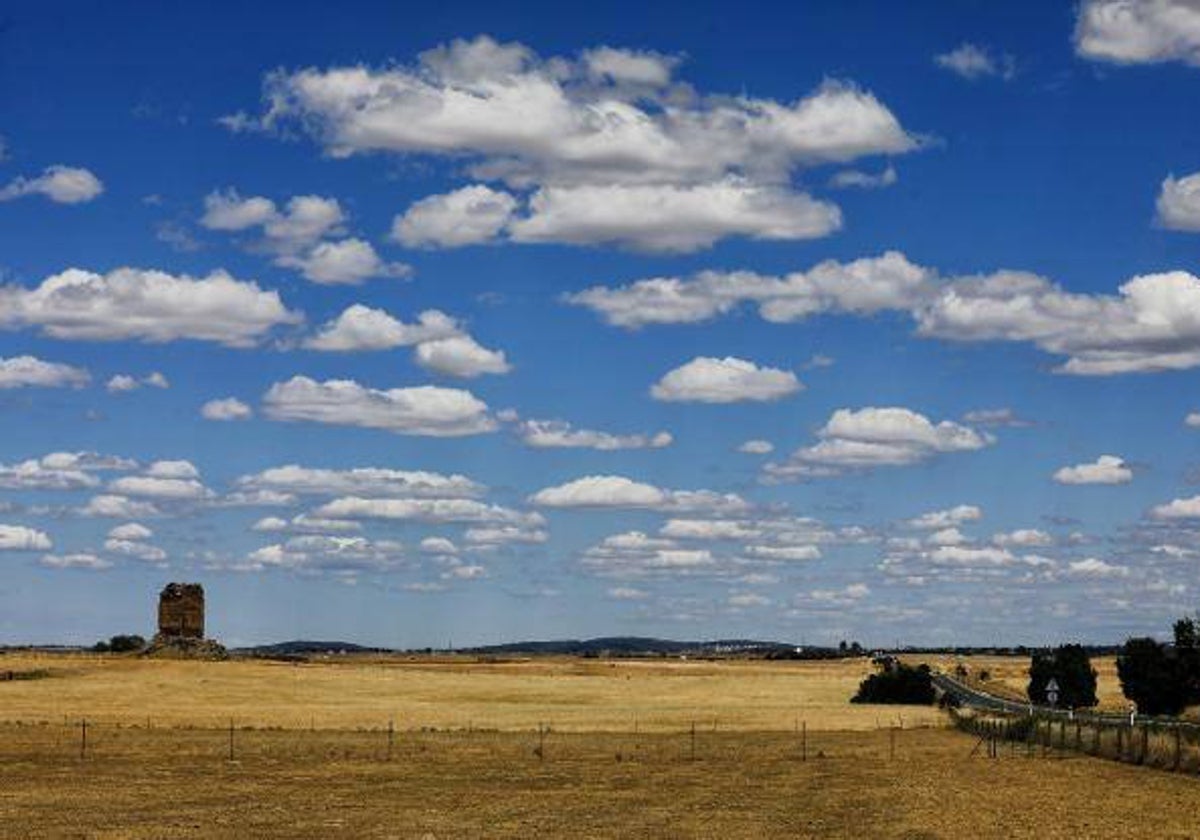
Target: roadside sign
{"x":1052,"y":692}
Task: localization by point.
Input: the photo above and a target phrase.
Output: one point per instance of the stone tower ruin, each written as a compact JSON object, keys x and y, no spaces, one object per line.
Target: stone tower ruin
{"x":181,"y":612}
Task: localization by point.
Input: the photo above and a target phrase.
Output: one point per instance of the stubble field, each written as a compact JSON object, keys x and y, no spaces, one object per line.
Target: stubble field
{"x":312,"y":757}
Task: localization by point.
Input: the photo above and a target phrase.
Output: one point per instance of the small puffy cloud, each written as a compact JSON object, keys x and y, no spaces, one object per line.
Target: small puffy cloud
{"x":228,"y":408}
{"x":425,"y":510}
{"x":635,"y":555}
{"x":1094,"y":568}
{"x":135,"y":549}
{"x":305,"y":524}
{"x":20,"y":538}
{"x":424,"y":410}
{"x":756,"y":447}
{"x":60,"y":184}
{"x":998,"y":417}
{"x":123,"y":382}
{"x":118,"y":507}
{"x":947,"y":518}
{"x":60,"y":471}
{"x":345,"y":556}
{"x":672,"y":218}
{"x":1178,"y":509}
{"x":130,"y":531}
{"x":460,"y":356}
{"x":145,"y":305}
{"x":438,"y":545}
{"x":364,"y":328}
{"x":308,"y":234}
{"x":614,"y":491}
{"x":1139,"y":31}
{"x":468,"y":216}
{"x":172,"y":469}
{"x":361,"y":481}
{"x":1178,"y":203}
{"x":559,"y":434}
{"x":728,"y":380}
{"x":31,"y":372}
{"x":1024,"y":538}
{"x":1192,"y":420}
{"x":972,"y":61}
{"x":857,"y":179}
{"x":481,"y":537}
{"x":1107,"y":469}
{"x":81,"y":560}
{"x":627,"y":593}
{"x":876,"y":437}
{"x":863,"y":287}
{"x":345,"y":262}
{"x":163,"y":489}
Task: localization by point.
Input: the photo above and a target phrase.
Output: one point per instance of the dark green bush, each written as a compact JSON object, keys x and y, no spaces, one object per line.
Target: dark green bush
{"x":897,"y":684}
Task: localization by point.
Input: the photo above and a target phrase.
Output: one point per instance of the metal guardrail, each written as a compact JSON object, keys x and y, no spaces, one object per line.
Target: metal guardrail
{"x":974,"y":698}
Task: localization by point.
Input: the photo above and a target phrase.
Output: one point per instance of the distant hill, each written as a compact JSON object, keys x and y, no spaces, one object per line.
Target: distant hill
{"x":634,"y":646}
{"x":301,"y":647}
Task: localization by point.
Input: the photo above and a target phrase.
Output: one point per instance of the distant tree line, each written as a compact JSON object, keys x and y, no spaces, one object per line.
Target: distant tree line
{"x":120,"y":644}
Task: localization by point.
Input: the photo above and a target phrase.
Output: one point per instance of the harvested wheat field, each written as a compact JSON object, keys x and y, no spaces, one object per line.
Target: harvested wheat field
{"x":350,"y":692}
{"x":181,"y":783}
{"x":310,"y":755}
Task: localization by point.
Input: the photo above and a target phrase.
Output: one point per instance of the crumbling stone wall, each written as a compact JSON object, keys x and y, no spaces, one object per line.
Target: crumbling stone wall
{"x":181,"y":611}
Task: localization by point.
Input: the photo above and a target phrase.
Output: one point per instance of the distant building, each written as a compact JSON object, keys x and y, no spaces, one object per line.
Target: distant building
{"x":181,"y":612}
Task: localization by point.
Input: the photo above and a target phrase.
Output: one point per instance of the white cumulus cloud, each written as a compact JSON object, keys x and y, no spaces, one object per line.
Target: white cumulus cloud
{"x":31,"y":372}
{"x":727,"y":380}
{"x":1107,"y":469}
{"x":60,"y":184}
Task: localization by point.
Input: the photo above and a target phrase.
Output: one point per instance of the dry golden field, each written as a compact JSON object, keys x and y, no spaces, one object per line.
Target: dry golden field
{"x":350,"y":692}
{"x":311,"y":756}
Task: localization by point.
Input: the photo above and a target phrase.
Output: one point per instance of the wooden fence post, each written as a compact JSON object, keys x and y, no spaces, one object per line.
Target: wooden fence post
{"x":804,"y":740}
{"x":1145,"y":743}
{"x":1175,"y":762}
{"x":83,"y":738}
{"x":391,"y":737}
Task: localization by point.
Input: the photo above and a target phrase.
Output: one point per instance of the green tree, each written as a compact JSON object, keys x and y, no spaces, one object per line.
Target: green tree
{"x":1152,"y":677}
{"x":1069,"y":666}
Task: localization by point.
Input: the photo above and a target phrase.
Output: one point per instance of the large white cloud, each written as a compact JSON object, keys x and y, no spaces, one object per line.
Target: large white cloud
{"x":615,"y":491}
{"x":146,"y":305}
{"x":1179,"y":203}
{"x":610,"y":147}
{"x":29,"y":371}
{"x":1139,"y":31}
{"x":558,"y":119}
{"x":20,"y":538}
{"x":711,"y":380}
{"x":1188,"y":508}
{"x":60,"y":184}
{"x":1151,"y":324}
{"x":325,"y":553}
{"x":1107,"y":469}
{"x":947,"y":518}
{"x":345,"y":262}
{"x":876,"y":437}
{"x":422,"y":410}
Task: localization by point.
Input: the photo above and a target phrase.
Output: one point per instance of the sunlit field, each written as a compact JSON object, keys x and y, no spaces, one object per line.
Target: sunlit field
{"x":580,"y":695}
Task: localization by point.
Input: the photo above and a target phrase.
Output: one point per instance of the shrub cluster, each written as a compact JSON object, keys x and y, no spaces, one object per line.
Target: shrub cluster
{"x":1162,"y":679}
{"x":120,"y":644}
{"x":897,"y":683}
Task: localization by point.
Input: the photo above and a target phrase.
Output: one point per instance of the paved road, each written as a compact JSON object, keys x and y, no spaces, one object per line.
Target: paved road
{"x":974,"y":698}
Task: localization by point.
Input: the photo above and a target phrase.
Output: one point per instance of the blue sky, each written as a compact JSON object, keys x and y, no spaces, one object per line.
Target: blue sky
{"x":415,"y":326}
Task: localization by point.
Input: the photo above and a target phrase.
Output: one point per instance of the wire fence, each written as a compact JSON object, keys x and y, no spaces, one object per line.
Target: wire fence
{"x":87,"y":740}
{"x":1150,"y":743}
